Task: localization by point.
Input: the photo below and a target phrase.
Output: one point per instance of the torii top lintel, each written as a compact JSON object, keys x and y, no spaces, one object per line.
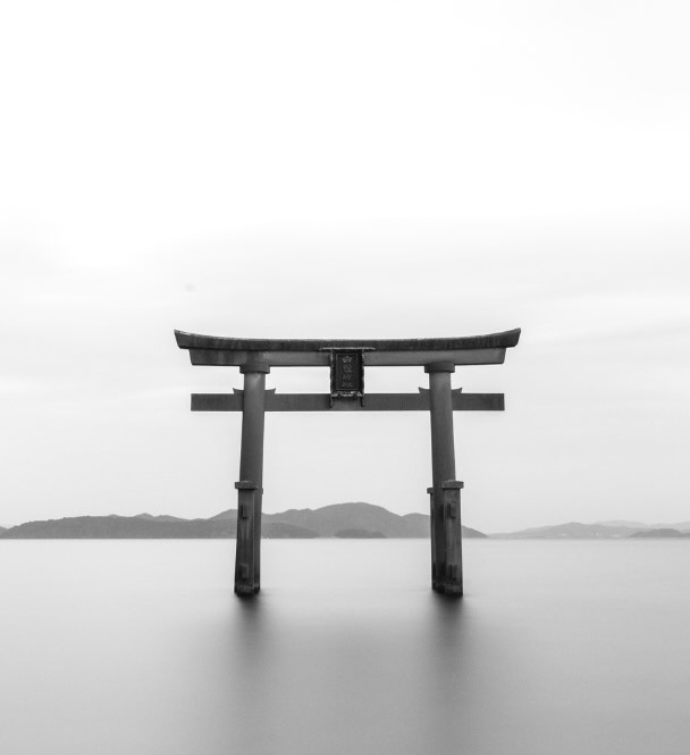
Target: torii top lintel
{"x":235,"y":352}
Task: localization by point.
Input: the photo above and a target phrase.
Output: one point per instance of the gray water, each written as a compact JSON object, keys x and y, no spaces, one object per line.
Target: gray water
{"x":140,"y":647}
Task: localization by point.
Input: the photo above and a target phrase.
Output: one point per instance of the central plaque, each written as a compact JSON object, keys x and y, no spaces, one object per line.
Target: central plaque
{"x":347,"y":374}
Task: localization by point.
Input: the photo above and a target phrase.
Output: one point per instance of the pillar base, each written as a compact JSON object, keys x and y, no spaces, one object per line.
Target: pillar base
{"x":246,"y":591}
{"x":247,"y":547}
{"x":446,"y":539}
{"x":449,"y":591}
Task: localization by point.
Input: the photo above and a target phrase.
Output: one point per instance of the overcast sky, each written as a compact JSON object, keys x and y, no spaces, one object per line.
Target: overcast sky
{"x":370,"y":169}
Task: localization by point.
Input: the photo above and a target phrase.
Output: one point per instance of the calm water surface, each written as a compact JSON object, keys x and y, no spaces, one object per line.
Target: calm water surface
{"x":140,"y":647}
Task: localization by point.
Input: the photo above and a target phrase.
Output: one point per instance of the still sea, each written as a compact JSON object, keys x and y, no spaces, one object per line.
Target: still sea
{"x":141,"y":648}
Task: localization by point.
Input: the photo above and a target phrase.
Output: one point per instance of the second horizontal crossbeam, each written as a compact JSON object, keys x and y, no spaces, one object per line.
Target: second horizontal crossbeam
{"x":321,"y":402}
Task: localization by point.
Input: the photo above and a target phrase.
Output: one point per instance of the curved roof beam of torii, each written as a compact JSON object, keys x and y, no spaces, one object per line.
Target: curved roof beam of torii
{"x":194,"y":341}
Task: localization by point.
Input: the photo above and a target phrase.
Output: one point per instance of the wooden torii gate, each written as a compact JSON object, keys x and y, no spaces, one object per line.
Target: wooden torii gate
{"x":347,"y":360}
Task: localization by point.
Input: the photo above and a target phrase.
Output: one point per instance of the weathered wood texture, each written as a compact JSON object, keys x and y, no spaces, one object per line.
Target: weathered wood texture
{"x":373,"y":402}
{"x":213,"y":358}
{"x":505,"y":339}
{"x":234,"y":352}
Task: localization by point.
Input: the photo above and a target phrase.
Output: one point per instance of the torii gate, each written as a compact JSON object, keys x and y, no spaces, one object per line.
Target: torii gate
{"x":347,"y":360}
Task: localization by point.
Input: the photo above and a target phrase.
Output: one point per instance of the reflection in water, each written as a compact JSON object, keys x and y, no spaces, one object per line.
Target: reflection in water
{"x":141,"y":647}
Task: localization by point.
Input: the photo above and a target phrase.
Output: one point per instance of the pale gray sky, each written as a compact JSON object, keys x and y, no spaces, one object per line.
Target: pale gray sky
{"x":370,"y":169}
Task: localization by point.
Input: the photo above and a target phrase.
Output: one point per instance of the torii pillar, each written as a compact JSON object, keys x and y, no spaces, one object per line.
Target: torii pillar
{"x":250,"y":485}
{"x":446,"y":529}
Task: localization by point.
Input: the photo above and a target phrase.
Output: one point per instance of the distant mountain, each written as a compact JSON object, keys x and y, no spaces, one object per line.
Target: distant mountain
{"x":337,"y":520}
{"x":273,"y":530}
{"x":119,"y":527}
{"x":134,"y":527}
{"x":328,"y":521}
{"x":610,"y":530}
{"x":571,"y":531}
{"x":682,"y":526}
{"x":421,"y":522}
{"x":162,"y":518}
{"x":342,"y":520}
{"x":469,"y":532}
